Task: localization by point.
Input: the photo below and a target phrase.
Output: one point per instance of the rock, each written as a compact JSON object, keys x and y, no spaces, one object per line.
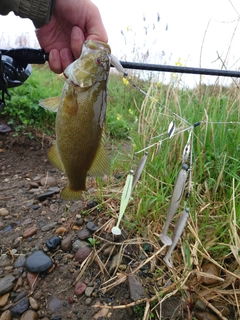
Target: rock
{"x":82,"y":254}
{"x":91,"y":226}
{"x":88,"y":301}
{"x":54,"y":304}
{"x":111,"y":250}
{"x":5,"y":128}
{"x":33,"y":184}
{"x":53,"y":243}
{"x":101,"y":314}
{"x":89,"y":291}
{"x":5,"y":261}
{"x":21,"y":306}
{"x":8,"y":228}
{"x":66,"y":244}
{"x":79,"y":221}
{"x":79,"y":244}
{"x":135,"y":288}
{"x":116,"y":260}
{"x":49,"y":226}
{"x":48,"y":181}
{"x":61,"y":230}
{"x":32,"y":280}
{"x":19,"y":296}
{"x":43,"y":196}
{"x":4,"y":300}
{"x":6,"y":284}
{"x":33,"y":303}
{"x":3,"y":212}
{"x":37,"y":262}
{"x":29,"y":315}
{"x":6,"y":315}
{"x":80,"y":288}
{"x":20,"y":261}
{"x":91,"y":204}
{"x":29,"y":232}
{"x":84,"y":234}
{"x":211,"y":269}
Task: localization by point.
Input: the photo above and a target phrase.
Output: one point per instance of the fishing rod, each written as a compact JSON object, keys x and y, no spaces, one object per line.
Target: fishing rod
{"x":15,"y":68}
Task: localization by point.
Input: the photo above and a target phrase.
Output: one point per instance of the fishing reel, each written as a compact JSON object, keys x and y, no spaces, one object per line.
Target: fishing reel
{"x":15,"y":68}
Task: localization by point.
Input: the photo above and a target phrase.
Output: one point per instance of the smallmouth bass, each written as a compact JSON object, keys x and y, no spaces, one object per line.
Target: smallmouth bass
{"x":81,"y":118}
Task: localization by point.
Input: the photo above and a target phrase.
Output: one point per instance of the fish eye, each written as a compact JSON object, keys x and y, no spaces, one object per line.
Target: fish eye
{"x":99,"y":61}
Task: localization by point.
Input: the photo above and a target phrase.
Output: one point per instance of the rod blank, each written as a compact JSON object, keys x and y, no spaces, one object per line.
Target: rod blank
{"x":177,"y":69}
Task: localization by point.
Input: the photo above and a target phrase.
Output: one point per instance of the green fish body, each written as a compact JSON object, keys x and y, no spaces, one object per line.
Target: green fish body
{"x":81,"y":117}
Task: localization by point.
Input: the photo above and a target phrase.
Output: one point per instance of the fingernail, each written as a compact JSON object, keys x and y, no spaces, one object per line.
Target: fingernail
{"x":76,"y":33}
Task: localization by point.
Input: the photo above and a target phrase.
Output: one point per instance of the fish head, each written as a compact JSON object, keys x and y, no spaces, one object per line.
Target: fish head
{"x":92,"y":66}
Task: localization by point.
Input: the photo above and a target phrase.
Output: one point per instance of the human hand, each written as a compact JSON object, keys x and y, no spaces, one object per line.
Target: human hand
{"x":72,"y":22}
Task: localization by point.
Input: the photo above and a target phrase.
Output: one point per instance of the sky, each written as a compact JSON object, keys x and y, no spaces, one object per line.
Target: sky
{"x":188,"y":32}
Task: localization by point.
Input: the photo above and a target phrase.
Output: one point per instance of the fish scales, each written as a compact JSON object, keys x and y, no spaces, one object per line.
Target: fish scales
{"x":80,"y":120}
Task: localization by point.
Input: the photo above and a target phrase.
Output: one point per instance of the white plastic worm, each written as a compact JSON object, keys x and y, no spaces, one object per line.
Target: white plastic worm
{"x":127,"y":190}
{"x":176,"y":235}
{"x":174,"y":203}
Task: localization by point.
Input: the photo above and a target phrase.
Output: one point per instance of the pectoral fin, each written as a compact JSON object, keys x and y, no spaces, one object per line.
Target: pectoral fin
{"x":50,"y":104}
{"x":55,"y":159}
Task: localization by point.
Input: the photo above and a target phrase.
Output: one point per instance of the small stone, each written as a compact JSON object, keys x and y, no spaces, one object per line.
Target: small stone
{"x":49,"y":226}
{"x":5,"y":128}
{"x":89,"y":291}
{"x":116,"y":260}
{"x":29,"y":315}
{"x":53,"y":243}
{"x":19,"y":296}
{"x":88,"y":301}
{"x":211,"y":269}
{"x":45,"y":195}
{"x":6,"y":284}
{"x":6,"y":315}
{"x":48,"y":182}
{"x":3,"y":212}
{"x":101,"y":314}
{"x":84,"y":234}
{"x":109,"y":251}
{"x":54,"y":304}
{"x":82,"y":254}
{"x":21,"y":306}
{"x":80,"y":288}
{"x":27,"y":221}
{"x":20,"y":261}
{"x":33,"y":303}
{"x":79,"y":244}
{"x":29,"y":232}
{"x":4,"y":300}
{"x":79,"y":221}
{"x":91,"y":204}
{"x":5,"y":260}
{"x":33,"y":184}
{"x":135,"y":288}
{"x":66,"y":244}
{"x":91,"y":226}
{"x":61,"y":230}
{"x":37,"y":262}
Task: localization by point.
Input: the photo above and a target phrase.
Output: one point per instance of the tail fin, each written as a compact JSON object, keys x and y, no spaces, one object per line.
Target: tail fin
{"x":68,"y":194}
